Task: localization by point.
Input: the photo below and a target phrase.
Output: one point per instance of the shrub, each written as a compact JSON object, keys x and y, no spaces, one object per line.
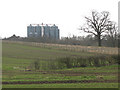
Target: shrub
{"x":36,"y":64}
{"x":72,"y":62}
{"x":66,"y":61}
{"x":117,"y":58}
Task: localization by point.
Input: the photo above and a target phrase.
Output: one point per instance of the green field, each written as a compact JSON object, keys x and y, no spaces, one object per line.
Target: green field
{"x":19,"y":57}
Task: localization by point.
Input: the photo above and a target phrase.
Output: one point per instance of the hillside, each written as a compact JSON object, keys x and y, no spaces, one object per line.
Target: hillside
{"x":18,"y":58}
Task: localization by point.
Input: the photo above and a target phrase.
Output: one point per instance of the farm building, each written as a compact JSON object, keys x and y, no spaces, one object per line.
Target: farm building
{"x":43,"y":30}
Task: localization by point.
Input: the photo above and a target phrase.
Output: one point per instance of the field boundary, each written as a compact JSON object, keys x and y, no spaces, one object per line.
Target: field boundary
{"x":77,"y":48}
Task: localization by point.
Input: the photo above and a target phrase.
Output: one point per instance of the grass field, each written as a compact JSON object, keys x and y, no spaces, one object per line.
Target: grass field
{"x":17,"y":57}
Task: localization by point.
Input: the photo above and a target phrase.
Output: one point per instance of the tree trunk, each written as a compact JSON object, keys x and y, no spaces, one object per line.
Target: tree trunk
{"x":99,"y":40}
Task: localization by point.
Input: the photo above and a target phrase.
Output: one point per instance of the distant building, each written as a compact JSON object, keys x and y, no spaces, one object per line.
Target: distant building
{"x":13,"y":38}
{"x":43,"y":30}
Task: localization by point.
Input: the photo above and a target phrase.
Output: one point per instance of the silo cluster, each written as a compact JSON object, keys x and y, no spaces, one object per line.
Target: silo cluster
{"x":43,"y":30}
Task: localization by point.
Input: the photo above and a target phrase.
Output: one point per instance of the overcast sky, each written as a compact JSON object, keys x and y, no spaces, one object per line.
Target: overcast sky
{"x":68,"y":15}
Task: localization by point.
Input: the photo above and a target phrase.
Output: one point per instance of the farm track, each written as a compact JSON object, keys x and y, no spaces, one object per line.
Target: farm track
{"x":66,"y":73}
{"x":67,"y":81}
{"x":71,"y":73}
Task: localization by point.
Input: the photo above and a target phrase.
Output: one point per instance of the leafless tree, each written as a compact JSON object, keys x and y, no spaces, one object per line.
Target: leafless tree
{"x":96,"y":24}
{"x":112,"y":32}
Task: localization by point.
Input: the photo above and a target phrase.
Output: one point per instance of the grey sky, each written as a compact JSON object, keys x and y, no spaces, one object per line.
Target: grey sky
{"x":68,"y":15}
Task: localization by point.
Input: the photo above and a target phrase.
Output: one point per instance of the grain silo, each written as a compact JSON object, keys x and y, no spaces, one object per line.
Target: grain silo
{"x":43,"y":30}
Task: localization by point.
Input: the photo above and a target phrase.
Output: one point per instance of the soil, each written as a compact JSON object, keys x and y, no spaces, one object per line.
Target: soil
{"x":67,"y":81}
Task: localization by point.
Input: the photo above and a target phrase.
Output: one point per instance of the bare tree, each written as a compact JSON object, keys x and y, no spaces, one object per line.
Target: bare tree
{"x":112,"y":33}
{"x":96,"y":24}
